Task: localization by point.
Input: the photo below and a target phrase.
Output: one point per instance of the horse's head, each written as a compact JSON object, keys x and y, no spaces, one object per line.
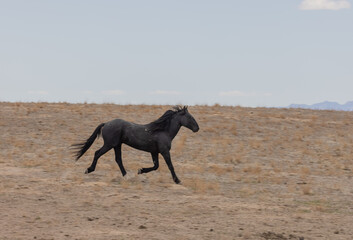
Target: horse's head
{"x":187,"y":120}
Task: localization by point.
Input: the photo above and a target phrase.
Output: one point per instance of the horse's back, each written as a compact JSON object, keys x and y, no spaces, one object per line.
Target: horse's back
{"x":120,"y":131}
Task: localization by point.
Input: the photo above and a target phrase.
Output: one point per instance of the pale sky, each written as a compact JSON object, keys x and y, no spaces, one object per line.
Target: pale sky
{"x":250,"y":53}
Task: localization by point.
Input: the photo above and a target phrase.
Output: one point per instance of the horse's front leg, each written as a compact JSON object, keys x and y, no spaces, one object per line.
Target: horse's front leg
{"x":166,"y":156}
{"x":155,"y":165}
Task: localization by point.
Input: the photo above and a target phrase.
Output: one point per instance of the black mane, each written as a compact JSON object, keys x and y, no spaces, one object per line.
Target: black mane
{"x":163,"y":122}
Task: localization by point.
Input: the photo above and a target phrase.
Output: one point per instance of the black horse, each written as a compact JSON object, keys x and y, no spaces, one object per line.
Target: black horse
{"x":155,"y":137}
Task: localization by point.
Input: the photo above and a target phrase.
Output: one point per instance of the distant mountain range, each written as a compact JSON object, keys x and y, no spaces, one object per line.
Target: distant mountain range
{"x":326,"y":106}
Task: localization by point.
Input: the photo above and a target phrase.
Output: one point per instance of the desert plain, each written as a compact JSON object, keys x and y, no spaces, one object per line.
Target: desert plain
{"x":249,"y":173}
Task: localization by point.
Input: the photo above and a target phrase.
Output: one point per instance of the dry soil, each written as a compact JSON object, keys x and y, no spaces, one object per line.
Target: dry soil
{"x":249,"y":173}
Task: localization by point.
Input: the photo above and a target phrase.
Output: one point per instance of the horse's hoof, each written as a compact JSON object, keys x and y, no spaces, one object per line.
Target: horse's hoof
{"x":139,"y":171}
{"x":177,"y":181}
{"x":86,"y":172}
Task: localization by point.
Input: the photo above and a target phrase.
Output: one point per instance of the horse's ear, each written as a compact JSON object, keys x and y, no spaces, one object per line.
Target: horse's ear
{"x":185,"y":109}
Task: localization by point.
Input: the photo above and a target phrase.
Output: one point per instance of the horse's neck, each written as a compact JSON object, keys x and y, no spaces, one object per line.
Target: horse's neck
{"x":174,"y":127}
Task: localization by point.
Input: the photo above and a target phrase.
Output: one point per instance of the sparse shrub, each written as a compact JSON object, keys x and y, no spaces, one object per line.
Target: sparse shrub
{"x":220,"y":170}
{"x":201,"y":186}
{"x":307,"y":190}
{"x":254,"y":169}
{"x":233,"y":129}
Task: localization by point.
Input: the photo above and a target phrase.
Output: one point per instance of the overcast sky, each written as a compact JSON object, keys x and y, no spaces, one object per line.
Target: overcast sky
{"x":249,"y":53}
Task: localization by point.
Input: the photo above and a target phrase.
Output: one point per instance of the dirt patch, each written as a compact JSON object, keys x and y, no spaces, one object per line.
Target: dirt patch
{"x":279,"y":236}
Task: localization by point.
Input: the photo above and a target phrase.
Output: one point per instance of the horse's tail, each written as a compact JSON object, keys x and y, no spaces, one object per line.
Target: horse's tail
{"x":84,"y":146}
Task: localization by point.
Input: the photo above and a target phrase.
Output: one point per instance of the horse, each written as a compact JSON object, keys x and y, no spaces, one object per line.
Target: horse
{"x":155,"y":137}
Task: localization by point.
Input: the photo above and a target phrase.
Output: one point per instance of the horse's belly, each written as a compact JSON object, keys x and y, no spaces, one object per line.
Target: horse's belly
{"x":148,"y":147}
{"x":143,"y":143}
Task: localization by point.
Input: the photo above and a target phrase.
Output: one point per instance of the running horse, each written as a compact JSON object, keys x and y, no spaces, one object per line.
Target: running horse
{"x":155,"y":137}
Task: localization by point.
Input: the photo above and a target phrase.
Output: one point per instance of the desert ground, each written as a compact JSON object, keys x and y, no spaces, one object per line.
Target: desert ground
{"x":249,"y":173}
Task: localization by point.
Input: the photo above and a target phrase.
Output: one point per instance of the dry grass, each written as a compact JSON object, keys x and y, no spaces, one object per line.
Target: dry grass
{"x":220,"y":170}
{"x":253,"y":169}
{"x":202,"y":186}
{"x":307,"y":190}
{"x":271,"y":166}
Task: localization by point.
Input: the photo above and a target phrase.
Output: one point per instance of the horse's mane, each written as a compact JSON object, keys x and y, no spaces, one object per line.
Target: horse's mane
{"x":163,"y":123}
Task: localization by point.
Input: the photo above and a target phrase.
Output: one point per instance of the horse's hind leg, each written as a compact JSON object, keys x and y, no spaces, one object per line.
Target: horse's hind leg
{"x":155,"y":167}
{"x":119,"y":160}
{"x":97,"y":155}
